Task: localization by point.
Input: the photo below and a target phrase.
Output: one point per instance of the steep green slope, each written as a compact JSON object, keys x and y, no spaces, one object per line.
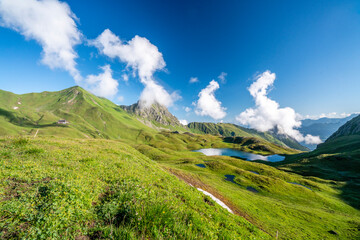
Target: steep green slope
{"x":352,"y":127}
{"x":89,"y":116}
{"x":231,"y":130}
{"x":337,"y":158}
{"x":91,"y":189}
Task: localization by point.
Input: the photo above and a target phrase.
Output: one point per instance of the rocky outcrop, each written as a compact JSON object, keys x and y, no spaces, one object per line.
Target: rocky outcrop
{"x":155,"y":112}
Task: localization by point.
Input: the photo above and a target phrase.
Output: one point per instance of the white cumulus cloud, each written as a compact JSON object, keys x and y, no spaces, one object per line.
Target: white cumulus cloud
{"x":268,"y":115}
{"x":143,"y":58}
{"x":183,"y":122}
{"x":49,"y":22}
{"x":193,"y":80}
{"x":187,"y":109}
{"x":207,"y":104}
{"x":102,"y":85}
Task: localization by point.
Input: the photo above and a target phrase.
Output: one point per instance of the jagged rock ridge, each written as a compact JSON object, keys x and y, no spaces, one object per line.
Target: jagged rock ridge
{"x":155,"y":112}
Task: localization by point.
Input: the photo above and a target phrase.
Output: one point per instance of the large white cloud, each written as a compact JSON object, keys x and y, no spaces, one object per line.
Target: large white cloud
{"x":143,"y":58}
{"x":102,"y":85}
{"x":207,"y":104}
{"x":268,"y":115}
{"x":49,"y":22}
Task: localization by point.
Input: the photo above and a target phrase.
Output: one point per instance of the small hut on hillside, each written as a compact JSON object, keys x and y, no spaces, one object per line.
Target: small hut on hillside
{"x":62,"y":121}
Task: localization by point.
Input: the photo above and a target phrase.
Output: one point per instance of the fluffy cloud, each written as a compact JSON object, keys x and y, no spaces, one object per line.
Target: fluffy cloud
{"x":143,"y":58}
{"x":154,"y":92}
{"x":193,"y":80}
{"x":102,"y":85}
{"x":49,"y":22}
{"x":207,"y":104}
{"x":268,"y":115}
{"x":187,"y":109}
{"x":183,"y":122}
{"x":222,"y":77}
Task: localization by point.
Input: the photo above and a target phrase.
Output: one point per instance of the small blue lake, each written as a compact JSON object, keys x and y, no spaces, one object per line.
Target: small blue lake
{"x":240,"y":154}
{"x":201,"y":165}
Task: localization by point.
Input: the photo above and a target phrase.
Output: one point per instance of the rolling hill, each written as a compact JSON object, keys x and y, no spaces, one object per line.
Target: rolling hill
{"x":233,"y":130}
{"x":88,"y":116}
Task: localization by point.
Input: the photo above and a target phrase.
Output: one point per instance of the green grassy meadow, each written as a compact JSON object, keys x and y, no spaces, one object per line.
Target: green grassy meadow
{"x":89,"y":189}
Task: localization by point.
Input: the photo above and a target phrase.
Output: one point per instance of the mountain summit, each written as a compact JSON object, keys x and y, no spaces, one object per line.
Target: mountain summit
{"x":155,"y":112}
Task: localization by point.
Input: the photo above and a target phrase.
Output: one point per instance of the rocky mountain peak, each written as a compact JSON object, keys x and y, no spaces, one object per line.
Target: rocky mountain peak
{"x":155,"y":112}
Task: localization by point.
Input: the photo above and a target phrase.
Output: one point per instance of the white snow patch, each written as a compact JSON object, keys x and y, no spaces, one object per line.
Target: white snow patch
{"x":15,"y":108}
{"x":218,"y":201}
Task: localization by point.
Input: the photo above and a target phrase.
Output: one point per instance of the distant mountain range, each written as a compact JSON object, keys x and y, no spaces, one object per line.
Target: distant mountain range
{"x":322,"y":127}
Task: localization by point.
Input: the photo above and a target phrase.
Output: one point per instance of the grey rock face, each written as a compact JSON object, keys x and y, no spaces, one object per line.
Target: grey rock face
{"x":155,"y":112}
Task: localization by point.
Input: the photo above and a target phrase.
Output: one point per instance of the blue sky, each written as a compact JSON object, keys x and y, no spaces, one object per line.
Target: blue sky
{"x":312,"y":46}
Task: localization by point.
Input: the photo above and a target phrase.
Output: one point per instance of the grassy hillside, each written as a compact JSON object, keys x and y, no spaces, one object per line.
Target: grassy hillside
{"x":284,"y":204}
{"x":90,"y":189}
{"x":337,"y":159}
{"x":232,"y":130}
{"x":352,"y":127}
{"x":64,"y":188}
{"x":89,"y":116}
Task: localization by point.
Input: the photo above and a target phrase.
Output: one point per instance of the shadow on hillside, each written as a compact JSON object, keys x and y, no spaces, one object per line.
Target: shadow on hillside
{"x":24,"y":122}
{"x":341,"y":171}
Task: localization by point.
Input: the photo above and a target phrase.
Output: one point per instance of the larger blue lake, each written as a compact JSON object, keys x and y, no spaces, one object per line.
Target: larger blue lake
{"x":237,"y":153}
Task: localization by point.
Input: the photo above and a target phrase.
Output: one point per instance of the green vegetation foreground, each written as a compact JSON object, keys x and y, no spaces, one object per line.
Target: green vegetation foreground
{"x":91,"y":189}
